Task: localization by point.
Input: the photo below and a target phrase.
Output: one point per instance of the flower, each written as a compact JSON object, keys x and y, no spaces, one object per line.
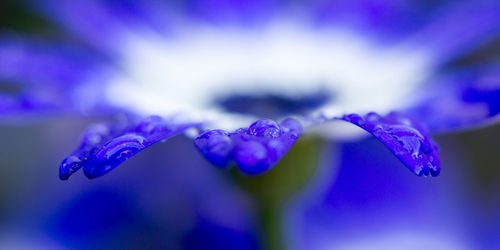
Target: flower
{"x":246,"y":79}
{"x":205,"y":65}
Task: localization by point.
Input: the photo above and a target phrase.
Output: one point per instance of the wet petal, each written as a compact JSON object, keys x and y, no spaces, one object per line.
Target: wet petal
{"x":105,"y":146}
{"x":113,"y":153}
{"x":255,"y":149}
{"x":406,"y":139}
{"x":93,"y":138}
{"x":216,"y":146}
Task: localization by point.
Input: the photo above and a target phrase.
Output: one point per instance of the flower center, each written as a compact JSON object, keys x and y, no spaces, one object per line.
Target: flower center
{"x":274,"y":105}
{"x":274,"y":70}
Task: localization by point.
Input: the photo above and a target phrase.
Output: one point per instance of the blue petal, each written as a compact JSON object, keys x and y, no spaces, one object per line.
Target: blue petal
{"x":92,"y":139}
{"x":406,"y":139}
{"x":398,"y":17}
{"x":113,"y":153}
{"x":448,"y":28}
{"x":100,"y":22}
{"x":39,"y":76}
{"x":31,"y":103}
{"x":463,"y":99}
{"x":105,"y":146}
{"x":246,"y":12}
{"x":255,"y":149}
{"x":11,"y":104}
{"x":460,"y":27}
{"x":216,"y":146}
{"x":31,"y":61}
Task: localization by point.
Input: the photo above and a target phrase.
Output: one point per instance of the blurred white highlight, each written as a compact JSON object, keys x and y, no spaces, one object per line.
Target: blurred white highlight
{"x":408,"y":240}
{"x":181,"y":75}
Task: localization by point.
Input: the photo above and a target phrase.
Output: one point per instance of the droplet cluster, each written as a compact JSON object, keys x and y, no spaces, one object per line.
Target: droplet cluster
{"x":105,"y":146}
{"x":255,"y":149}
{"x":407,"y":139}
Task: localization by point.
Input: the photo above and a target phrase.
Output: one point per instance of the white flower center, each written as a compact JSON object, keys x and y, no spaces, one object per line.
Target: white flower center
{"x":182,"y":74}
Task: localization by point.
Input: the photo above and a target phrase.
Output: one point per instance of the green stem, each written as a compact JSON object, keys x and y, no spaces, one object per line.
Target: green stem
{"x":270,"y":218}
{"x":272,"y":189}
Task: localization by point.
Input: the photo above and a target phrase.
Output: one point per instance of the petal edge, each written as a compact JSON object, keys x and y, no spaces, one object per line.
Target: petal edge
{"x":404,"y":137}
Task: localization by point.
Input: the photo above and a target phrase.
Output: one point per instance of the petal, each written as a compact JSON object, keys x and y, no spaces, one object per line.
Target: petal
{"x":105,"y":146}
{"x":255,"y":149}
{"x":101,"y":22}
{"x":459,"y":27}
{"x":93,"y":138}
{"x":13,"y":105}
{"x":404,"y":137}
{"x":39,"y":76}
{"x":387,"y":17}
{"x":230,"y":11}
{"x":30,"y":61}
{"x":463,"y":99}
{"x":447,"y":28}
{"x":435,"y":27}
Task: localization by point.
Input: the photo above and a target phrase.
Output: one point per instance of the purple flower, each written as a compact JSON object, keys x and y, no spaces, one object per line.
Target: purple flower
{"x":245,"y":80}
{"x":216,"y":50}
{"x":203,"y":66}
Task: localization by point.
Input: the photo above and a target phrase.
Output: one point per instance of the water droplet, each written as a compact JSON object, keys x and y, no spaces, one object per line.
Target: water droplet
{"x":266,"y":128}
{"x":95,"y":135}
{"x":151,"y":125}
{"x":251,"y":157}
{"x":216,"y":146}
{"x":292,"y":127}
{"x":113,"y":153}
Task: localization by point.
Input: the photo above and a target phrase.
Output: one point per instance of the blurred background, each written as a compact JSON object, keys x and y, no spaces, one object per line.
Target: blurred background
{"x":359,"y":196}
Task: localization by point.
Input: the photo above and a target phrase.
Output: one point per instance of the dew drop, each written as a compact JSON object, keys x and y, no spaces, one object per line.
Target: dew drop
{"x":266,"y":128}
